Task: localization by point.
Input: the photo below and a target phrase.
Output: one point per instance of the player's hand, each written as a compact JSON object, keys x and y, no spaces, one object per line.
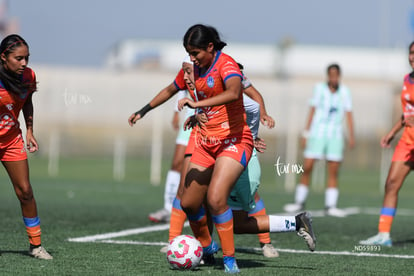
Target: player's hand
{"x":31,"y":142}
{"x":185,"y":102}
{"x":190,"y":122}
{"x":201,"y":118}
{"x":386,"y":140}
{"x":133,"y":119}
{"x":268,"y":121}
{"x":176,"y":121}
{"x":259,"y":144}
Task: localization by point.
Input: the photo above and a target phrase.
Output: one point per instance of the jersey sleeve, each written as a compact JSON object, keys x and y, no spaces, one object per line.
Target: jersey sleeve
{"x":230,"y":69}
{"x":315,"y":96}
{"x":179,"y":81}
{"x":347,"y":100}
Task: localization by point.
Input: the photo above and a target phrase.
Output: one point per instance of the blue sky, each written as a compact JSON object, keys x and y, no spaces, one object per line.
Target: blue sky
{"x":81,"y":32}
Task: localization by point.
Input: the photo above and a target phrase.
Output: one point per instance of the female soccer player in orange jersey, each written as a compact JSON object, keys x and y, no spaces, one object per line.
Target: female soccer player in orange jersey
{"x":402,"y":160}
{"x":17,"y":84}
{"x":224,"y":143}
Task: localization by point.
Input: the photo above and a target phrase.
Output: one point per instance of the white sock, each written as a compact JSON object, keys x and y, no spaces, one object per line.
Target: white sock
{"x":331,"y":197}
{"x":301,"y":193}
{"x":282,"y":224}
{"x":171,"y":186}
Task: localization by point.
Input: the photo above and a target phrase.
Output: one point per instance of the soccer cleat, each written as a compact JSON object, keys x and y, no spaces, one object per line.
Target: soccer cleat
{"x":378,"y":239}
{"x":269,"y":251}
{"x":293,"y":207}
{"x":304,"y":228}
{"x":208,"y":253}
{"x":162,"y":215}
{"x":335,"y":212}
{"x":164,"y":249}
{"x":230,"y":265}
{"x":39,"y":253}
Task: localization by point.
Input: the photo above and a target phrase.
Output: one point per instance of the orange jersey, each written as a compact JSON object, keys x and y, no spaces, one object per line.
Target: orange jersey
{"x":226,"y":120}
{"x":407,"y":102}
{"x":10,"y":106}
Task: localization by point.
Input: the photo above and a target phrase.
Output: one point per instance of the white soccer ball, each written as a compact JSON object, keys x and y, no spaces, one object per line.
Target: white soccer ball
{"x":184,"y":252}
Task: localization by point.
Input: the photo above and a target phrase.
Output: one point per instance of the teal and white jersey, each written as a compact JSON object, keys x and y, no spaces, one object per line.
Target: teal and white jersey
{"x":252,"y":109}
{"x":330,"y":109}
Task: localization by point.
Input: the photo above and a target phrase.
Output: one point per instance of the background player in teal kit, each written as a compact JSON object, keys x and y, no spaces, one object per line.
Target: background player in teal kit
{"x":323,"y":138}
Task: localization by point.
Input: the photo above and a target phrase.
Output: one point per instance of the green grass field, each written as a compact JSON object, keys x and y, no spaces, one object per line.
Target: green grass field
{"x":84,"y":200}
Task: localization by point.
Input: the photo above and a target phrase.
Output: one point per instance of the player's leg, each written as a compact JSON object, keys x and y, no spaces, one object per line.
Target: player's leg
{"x":196,"y":184}
{"x":171,"y":185}
{"x":332,"y":191}
{"x":178,"y":216}
{"x":226,"y":172}
{"x":395,"y":179}
{"x":18,"y":172}
{"x":264,"y":238}
{"x":334,"y":157}
{"x":301,"y":223}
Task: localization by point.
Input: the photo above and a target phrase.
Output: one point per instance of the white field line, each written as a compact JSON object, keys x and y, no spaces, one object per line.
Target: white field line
{"x":122,"y":233}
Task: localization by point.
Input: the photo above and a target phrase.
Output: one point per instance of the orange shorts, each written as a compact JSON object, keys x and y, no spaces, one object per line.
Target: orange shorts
{"x":206,"y":151}
{"x":403,"y":152}
{"x":13,"y":150}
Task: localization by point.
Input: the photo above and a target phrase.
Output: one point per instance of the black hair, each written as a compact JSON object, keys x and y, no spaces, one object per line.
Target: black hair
{"x":241,"y":67}
{"x":11,"y":81}
{"x":334,"y":66}
{"x":200,"y":36}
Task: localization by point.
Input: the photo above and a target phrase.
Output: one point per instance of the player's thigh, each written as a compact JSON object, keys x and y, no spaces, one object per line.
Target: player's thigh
{"x":397,"y":174}
{"x":196,"y":183}
{"x":18,"y":172}
{"x":226,"y":172}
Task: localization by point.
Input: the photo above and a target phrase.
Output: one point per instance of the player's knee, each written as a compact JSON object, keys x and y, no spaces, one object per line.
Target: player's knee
{"x":392,"y":185}
{"x":217,"y":204}
{"x":25,"y":194}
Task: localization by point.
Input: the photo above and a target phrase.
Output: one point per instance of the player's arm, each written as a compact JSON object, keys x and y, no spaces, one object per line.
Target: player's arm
{"x":265,"y":119}
{"x":306,"y":131}
{"x":386,"y":140}
{"x":350,"y":122}
{"x":159,"y":99}
{"x":27,"y":109}
{"x":231,"y":94}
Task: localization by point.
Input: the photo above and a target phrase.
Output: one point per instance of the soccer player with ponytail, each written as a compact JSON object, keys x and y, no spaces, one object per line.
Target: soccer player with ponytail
{"x":17,"y":84}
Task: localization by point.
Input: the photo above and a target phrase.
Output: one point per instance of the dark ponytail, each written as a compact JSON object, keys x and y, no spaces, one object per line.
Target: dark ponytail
{"x":11,"y":81}
{"x":200,"y":36}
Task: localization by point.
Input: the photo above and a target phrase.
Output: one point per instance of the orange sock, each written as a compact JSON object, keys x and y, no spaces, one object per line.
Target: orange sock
{"x":177,"y":220}
{"x":198,"y":224}
{"x":260,"y":210}
{"x":386,"y":218}
{"x":33,"y":230}
{"x":224,"y":227}
{"x":385,"y":223}
{"x":263,"y":237}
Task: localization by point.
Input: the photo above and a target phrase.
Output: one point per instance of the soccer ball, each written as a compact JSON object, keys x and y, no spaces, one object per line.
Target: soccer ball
{"x":184,"y":252}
